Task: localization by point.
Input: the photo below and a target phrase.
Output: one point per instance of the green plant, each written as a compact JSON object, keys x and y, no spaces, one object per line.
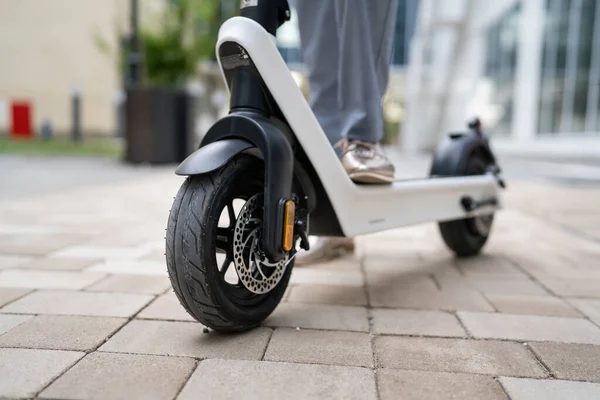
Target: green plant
{"x":183,"y":35}
{"x":186,"y":35}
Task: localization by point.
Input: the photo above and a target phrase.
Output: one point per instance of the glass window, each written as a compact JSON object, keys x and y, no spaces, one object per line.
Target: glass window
{"x":583,"y":68}
{"x":553,"y":64}
{"x":569,"y":67}
{"x":500,"y":70}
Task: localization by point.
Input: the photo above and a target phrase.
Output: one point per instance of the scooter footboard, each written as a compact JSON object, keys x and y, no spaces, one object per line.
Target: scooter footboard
{"x":417,"y":201}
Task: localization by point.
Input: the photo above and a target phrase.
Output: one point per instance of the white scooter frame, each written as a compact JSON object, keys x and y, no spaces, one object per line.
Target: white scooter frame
{"x":360,"y":208}
{"x":270,"y":119}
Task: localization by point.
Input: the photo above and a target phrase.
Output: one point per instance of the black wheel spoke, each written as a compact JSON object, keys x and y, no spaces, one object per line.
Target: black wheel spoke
{"x":223,"y":242}
{"x":225,"y":266}
{"x":231,"y":213}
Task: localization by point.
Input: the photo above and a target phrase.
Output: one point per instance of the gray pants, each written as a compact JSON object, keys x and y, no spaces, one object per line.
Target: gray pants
{"x":346,"y":47}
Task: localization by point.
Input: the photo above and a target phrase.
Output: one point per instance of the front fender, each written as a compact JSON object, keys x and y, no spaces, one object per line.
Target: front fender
{"x":241,"y":131}
{"x":212,"y":156}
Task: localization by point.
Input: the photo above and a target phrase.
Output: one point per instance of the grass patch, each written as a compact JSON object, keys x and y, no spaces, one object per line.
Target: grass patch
{"x":98,"y":146}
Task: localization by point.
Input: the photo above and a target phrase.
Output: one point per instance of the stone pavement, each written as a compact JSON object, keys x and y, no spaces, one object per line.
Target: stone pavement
{"x":86,"y":310}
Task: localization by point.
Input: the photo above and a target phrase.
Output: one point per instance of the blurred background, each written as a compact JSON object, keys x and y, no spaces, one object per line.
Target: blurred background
{"x":530,"y":69}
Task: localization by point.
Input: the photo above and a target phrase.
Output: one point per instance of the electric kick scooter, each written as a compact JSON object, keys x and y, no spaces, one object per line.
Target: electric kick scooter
{"x":266,"y":176}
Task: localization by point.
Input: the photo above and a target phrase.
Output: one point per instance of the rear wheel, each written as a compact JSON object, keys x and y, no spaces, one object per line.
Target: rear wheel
{"x":466,"y":237}
{"x":216,"y":267}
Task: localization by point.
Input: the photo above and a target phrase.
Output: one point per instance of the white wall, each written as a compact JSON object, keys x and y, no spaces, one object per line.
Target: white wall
{"x":47,"y":47}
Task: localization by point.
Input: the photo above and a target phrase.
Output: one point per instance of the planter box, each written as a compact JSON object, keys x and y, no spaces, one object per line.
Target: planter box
{"x":159,"y":125}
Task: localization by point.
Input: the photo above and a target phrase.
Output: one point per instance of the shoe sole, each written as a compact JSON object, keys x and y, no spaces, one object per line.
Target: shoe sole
{"x":370,"y":177}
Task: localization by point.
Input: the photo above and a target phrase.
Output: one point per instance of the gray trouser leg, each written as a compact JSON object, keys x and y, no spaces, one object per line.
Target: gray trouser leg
{"x":346,"y":47}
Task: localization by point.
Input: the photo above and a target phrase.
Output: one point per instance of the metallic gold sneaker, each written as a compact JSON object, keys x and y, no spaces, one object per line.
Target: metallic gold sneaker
{"x":365,"y":162}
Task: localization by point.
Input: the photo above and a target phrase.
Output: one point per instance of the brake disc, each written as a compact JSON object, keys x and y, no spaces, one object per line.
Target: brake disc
{"x":253,"y":268}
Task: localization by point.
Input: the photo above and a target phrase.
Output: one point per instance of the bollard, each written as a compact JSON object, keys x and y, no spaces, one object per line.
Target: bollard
{"x":46,"y":130}
{"x":76,"y":114}
{"x":119,"y":103}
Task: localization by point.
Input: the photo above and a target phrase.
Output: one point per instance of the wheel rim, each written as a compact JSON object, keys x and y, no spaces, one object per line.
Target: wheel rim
{"x":255,"y":272}
{"x":223,"y":256}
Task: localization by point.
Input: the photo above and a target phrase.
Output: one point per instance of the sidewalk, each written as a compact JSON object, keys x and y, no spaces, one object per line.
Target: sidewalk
{"x":86,"y":309}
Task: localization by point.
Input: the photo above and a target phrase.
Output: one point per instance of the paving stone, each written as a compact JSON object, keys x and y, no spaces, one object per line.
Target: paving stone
{"x":316,"y":276}
{"x":570,"y":361}
{"x":55,"y":263}
{"x":37,"y":245}
{"x":61,"y":332}
{"x":122,"y":376}
{"x":8,"y":322}
{"x":27,"y":230}
{"x":424,"y":294}
{"x":122,"y":239}
{"x":574,"y":287}
{"x":25,"y":372}
{"x":107,"y":253}
{"x":8,"y":295}
{"x":455,"y":355}
{"x":342,"y":263}
{"x":320,"y":347}
{"x":155,"y":255}
{"x":589,"y":307}
{"x":48,"y":279}
{"x":132,"y":267}
{"x":508,"y":286}
{"x":529,"y":327}
{"x":312,"y":316}
{"x":413,"y":322}
{"x":532,"y":305}
{"x":391,"y":281}
{"x":328,"y":294}
{"x":187,"y":339}
{"x":401,"y":248}
{"x":420,"y":385}
{"x":79,"y":303}
{"x":401,"y":263}
{"x":449,"y":277}
{"x":166,"y":307}
{"x":142,"y":284}
{"x":12,"y":261}
{"x":526,"y":389}
{"x":268,"y":380}
{"x":488,"y":266}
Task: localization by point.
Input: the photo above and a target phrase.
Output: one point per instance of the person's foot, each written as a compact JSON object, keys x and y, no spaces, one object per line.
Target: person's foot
{"x":325,"y":249}
{"x":365,"y":162}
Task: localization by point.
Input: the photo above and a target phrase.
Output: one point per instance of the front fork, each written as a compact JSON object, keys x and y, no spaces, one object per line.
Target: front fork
{"x":252,"y":114}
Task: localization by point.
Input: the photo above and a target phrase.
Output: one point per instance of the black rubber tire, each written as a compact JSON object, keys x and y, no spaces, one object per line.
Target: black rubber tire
{"x":459,"y":235}
{"x":190,"y":250}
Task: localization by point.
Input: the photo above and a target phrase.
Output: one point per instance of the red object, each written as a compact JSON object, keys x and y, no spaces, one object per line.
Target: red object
{"x":21,"y":120}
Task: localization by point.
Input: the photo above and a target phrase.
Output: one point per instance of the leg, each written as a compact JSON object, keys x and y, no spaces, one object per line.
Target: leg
{"x":346,"y":47}
{"x":366,"y":30}
{"x":320,"y":53}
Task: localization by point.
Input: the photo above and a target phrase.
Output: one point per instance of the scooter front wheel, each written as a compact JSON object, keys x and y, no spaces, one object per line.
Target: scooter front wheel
{"x":214,"y":261}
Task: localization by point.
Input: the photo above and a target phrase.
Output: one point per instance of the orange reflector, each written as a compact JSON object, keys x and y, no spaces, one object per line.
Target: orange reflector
{"x":288,"y":227}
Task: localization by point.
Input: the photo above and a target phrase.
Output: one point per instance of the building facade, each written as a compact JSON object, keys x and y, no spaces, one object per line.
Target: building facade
{"x":530,"y":69}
